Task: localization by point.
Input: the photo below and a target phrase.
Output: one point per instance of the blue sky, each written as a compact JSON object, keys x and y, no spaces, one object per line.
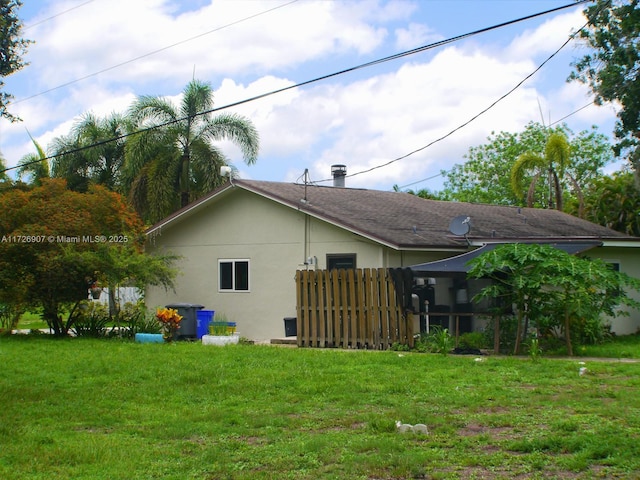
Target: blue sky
{"x":362,"y":119}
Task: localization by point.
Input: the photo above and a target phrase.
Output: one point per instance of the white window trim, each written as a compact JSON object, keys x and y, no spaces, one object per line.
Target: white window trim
{"x":233,"y":261}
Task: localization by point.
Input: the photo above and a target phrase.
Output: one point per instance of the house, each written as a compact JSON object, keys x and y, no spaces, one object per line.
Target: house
{"x":242,"y":244}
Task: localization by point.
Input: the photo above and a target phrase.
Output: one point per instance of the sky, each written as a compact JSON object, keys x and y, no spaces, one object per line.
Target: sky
{"x":99,"y":55}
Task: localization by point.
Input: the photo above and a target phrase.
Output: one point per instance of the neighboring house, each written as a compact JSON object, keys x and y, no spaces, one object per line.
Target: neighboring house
{"x":242,"y":244}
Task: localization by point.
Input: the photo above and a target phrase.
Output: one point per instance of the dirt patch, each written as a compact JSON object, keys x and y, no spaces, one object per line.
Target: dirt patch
{"x":473,"y":429}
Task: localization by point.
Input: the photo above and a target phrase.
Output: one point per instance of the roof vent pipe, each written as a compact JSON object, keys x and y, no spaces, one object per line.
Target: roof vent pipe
{"x":339,"y":172}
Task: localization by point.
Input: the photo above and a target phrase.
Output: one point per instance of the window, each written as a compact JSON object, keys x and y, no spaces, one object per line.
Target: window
{"x":341,"y":260}
{"x":233,"y":275}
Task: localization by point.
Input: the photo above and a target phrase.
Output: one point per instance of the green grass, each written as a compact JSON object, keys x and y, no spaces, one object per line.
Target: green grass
{"x":110,"y":409}
{"x":30,"y":320}
{"x":626,"y":346}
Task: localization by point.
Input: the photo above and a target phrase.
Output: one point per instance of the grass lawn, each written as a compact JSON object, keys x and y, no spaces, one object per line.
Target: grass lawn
{"x":30,"y":320}
{"x":110,"y":409}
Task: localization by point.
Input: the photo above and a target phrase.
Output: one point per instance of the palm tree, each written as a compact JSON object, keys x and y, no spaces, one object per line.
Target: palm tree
{"x":173,"y":160}
{"x":34,"y":165}
{"x":553,"y":164}
{"x":92,"y":153}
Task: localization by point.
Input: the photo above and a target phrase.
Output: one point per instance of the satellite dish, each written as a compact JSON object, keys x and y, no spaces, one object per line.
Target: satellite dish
{"x":460,"y":225}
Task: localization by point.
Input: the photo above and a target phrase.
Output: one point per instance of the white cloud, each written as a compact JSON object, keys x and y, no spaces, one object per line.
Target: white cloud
{"x":415,"y":35}
{"x":548,"y":37}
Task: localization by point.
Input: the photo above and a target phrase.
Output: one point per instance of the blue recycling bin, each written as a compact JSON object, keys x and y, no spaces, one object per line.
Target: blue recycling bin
{"x":203,"y":318}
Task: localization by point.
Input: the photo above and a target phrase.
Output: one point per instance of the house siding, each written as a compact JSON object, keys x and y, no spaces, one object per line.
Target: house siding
{"x":629,"y":264}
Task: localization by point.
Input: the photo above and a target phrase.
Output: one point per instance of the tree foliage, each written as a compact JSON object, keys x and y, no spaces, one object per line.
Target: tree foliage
{"x":12,"y":48}
{"x":552,"y":164}
{"x":56,"y":242}
{"x":611,"y":69}
{"x":614,"y":201}
{"x":173,"y":160}
{"x":484,"y":177}
{"x":92,"y":153}
{"x":34,"y":165}
{"x":544,"y":282}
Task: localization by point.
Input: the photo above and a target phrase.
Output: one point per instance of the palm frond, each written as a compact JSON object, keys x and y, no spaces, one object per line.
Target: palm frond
{"x":525,"y":163}
{"x":557,"y":153}
{"x":238,"y":130}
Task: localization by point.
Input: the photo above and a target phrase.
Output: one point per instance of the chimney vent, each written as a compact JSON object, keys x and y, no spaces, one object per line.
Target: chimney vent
{"x":338,"y":172}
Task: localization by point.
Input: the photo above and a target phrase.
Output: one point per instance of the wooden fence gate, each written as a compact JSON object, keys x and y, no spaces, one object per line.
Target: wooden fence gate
{"x":354,"y":308}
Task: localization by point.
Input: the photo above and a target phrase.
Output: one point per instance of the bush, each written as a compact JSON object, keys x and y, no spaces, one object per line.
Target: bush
{"x":591,"y":331}
{"x":472,"y":340}
{"x":438,"y":340}
{"x":92,"y":320}
{"x":136,"y":318}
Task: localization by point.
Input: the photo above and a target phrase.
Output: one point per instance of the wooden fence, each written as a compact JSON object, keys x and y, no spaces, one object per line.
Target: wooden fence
{"x":354,"y":308}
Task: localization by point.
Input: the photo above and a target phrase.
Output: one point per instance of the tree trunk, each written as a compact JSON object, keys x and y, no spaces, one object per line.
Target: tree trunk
{"x":567,"y":332}
{"x":558,"y":189}
{"x":53,"y":319}
{"x":516,"y":348}
{"x":184,"y":181}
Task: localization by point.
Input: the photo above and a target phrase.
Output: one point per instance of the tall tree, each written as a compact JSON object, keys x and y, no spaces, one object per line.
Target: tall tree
{"x":173,"y":160}
{"x":553,"y":164}
{"x":12,"y":48}
{"x":92,"y":153}
{"x":611,"y":70}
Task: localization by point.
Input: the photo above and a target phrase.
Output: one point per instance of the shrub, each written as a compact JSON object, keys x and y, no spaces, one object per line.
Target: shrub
{"x":472,"y":340}
{"x":399,"y":347}
{"x":92,"y":320}
{"x":440,"y":340}
{"x":9,"y":317}
{"x":136,"y":318}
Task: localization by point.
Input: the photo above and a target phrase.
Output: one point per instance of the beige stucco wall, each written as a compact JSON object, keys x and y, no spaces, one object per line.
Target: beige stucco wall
{"x":272,"y":237}
{"x":629,"y":262}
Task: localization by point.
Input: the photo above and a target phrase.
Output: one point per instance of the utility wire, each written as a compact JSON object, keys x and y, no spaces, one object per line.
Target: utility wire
{"x":476,"y":116}
{"x":126,"y":62}
{"x":572,"y":113}
{"x":56,"y":15}
{"x":442,"y":172}
{"x":335,"y":74}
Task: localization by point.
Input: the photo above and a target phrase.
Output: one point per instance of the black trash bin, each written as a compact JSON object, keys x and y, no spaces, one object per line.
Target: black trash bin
{"x":290,"y":327}
{"x":188,"y":326}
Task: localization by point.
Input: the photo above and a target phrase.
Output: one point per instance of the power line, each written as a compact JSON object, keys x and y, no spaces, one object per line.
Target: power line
{"x":342,"y":72}
{"x":442,"y":172}
{"x":572,"y":113}
{"x":56,"y":15}
{"x":126,"y":62}
{"x":476,"y":116}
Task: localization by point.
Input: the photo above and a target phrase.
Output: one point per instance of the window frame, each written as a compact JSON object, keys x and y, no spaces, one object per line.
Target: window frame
{"x":332,"y":257}
{"x":234,"y":275}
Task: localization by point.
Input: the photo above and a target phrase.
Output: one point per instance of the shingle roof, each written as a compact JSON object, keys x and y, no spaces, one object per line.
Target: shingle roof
{"x":405,"y":221}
